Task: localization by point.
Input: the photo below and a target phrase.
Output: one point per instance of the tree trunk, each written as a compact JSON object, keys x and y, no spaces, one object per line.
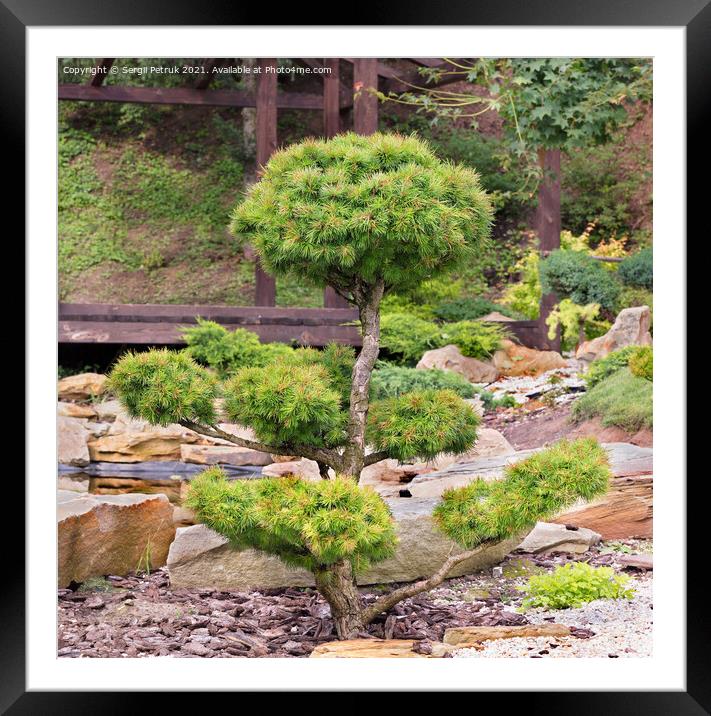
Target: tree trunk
{"x":337,"y":585}
{"x":369,"y":309}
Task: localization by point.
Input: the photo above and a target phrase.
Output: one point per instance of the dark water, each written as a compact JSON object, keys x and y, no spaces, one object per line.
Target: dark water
{"x":168,"y":473}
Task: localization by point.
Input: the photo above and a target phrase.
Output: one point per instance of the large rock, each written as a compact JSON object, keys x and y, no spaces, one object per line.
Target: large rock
{"x":75,"y":410}
{"x":623,"y":513}
{"x":154,"y":444}
{"x":547,"y":537}
{"x":112,"y":534}
{"x":172,"y":486}
{"x":81,"y":387}
{"x":450,"y":358}
{"x":223,"y":455}
{"x":72,"y":442}
{"x":303,"y":467}
{"x":624,"y":460}
{"x":631,"y":328}
{"x":489,"y":443}
{"x":201,"y":558}
{"x":513,"y":359}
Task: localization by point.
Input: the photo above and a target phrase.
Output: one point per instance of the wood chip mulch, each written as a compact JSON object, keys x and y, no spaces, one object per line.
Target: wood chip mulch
{"x":141,"y":616}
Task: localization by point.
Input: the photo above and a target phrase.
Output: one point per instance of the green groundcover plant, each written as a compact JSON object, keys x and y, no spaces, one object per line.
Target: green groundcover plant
{"x":574,"y":584}
{"x":367,"y":215}
{"x":390,"y":381}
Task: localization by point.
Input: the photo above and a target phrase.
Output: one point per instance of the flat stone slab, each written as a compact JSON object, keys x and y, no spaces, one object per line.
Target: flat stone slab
{"x":154,"y":469}
{"x":369,"y":649}
{"x":201,"y":558}
{"x":625,"y":459}
{"x":464,"y":636}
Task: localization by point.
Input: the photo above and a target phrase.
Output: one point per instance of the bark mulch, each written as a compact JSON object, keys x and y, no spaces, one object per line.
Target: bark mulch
{"x":139,"y":616}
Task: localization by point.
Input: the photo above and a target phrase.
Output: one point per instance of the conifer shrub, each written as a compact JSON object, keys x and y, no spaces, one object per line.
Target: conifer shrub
{"x":574,"y":584}
{"x":576,"y":275}
{"x":641,"y":363}
{"x":405,"y":338}
{"x":469,"y":309}
{"x":422,"y":425}
{"x":390,"y":381}
{"x":637,"y":269}
{"x":475,"y":339}
{"x":306,"y":524}
{"x":531,"y":490}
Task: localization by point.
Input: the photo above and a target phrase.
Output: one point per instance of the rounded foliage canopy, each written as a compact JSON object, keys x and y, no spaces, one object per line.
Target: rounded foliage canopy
{"x":307,"y":524}
{"x":422,"y":425}
{"x":356,"y":209}
{"x":164,"y":387}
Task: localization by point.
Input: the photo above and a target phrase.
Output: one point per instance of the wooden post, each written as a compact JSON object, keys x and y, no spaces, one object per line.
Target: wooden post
{"x":265,"y":291}
{"x":365,"y":103}
{"x":331,"y":127}
{"x":548,"y":229}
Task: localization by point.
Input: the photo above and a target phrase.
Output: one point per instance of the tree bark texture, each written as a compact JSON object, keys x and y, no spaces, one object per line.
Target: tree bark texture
{"x":337,"y":585}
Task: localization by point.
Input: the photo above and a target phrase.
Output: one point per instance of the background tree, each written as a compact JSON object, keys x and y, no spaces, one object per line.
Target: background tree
{"x":549,"y":106}
{"x":365,"y":215}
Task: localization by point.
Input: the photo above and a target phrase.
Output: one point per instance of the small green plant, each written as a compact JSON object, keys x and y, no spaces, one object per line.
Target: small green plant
{"x":404,"y":338}
{"x":145,"y":561}
{"x":475,"y":339}
{"x":604,"y":367}
{"x":575,"y":320}
{"x":572,"y":585}
{"x":524,"y":296}
{"x":389,"y":381}
{"x":637,"y":269}
{"x":96,"y":584}
{"x":575,"y":275}
{"x":621,"y":399}
{"x":469,"y":309}
{"x":491,"y":402}
{"x":641,"y":363}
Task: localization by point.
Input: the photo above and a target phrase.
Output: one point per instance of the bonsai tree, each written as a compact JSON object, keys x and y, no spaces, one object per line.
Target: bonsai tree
{"x":366,"y":215}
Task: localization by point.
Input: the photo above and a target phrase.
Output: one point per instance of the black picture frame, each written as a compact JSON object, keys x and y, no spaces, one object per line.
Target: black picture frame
{"x":694,"y":15}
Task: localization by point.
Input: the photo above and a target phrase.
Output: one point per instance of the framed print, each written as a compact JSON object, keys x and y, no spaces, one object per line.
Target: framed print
{"x":349,"y":356}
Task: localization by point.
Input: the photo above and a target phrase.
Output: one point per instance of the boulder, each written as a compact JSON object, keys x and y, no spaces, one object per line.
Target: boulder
{"x":513,"y":359}
{"x":489,"y":443}
{"x":81,"y":387}
{"x":154,"y":444}
{"x":308,"y":469}
{"x":111,"y":534}
{"x":72,"y":442}
{"x":623,"y":513}
{"x":631,"y":328}
{"x":547,"y":537}
{"x":172,"y":486}
{"x":450,"y":358}
{"x":201,"y":558}
{"x":496,"y":317}
{"x":75,"y":410}
{"x":108,"y":410}
{"x":369,"y":649}
{"x":644,"y":562}
{"x":625,"y":459}
{"x":223,"y":455}
{"x":463,"y":637}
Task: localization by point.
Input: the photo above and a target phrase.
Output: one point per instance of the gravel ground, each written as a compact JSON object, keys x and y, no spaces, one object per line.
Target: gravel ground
{"x":620,"y":628}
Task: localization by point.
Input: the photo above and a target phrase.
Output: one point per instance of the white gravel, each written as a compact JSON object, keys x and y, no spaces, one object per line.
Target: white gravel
{"x":623,"y":629}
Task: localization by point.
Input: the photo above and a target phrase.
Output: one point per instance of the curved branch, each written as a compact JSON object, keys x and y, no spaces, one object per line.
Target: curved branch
{"x":321,"y":455}
{"x":410,"y":590}
{"x":375,"y":457}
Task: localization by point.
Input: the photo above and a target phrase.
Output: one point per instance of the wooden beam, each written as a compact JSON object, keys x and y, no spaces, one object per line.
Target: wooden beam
{"x":265,"y":285}
{"x":548,"y":225}
{"x":183,"y":95}
{"x":365,"y":102}
{"x":101,"y":70}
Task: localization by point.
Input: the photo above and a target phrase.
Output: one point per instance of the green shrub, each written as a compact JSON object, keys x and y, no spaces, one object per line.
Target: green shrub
{"x":574,"y":584}
{"x":492,"y":403}
{"x":404,"y":338}
{"x":532,"y":489}
{"x":391,"y":381}
{"x":356,"y":210}
{"x":164,"y":387}
{"x":213,"y":345}
{"x":637,"y":269}
{"x":621,"y":399}
{"x":575,"y":275}
{"x":286,"y":403}
{"x":524,"y":297}
{"x":571,"y":318}
{"x":604,"y":367}
{"x":475,"y":339}
{"x":641,"y":363}
{"x":306,"y":524}
{"x":422,"y":425}
{"x":469,"y":309}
